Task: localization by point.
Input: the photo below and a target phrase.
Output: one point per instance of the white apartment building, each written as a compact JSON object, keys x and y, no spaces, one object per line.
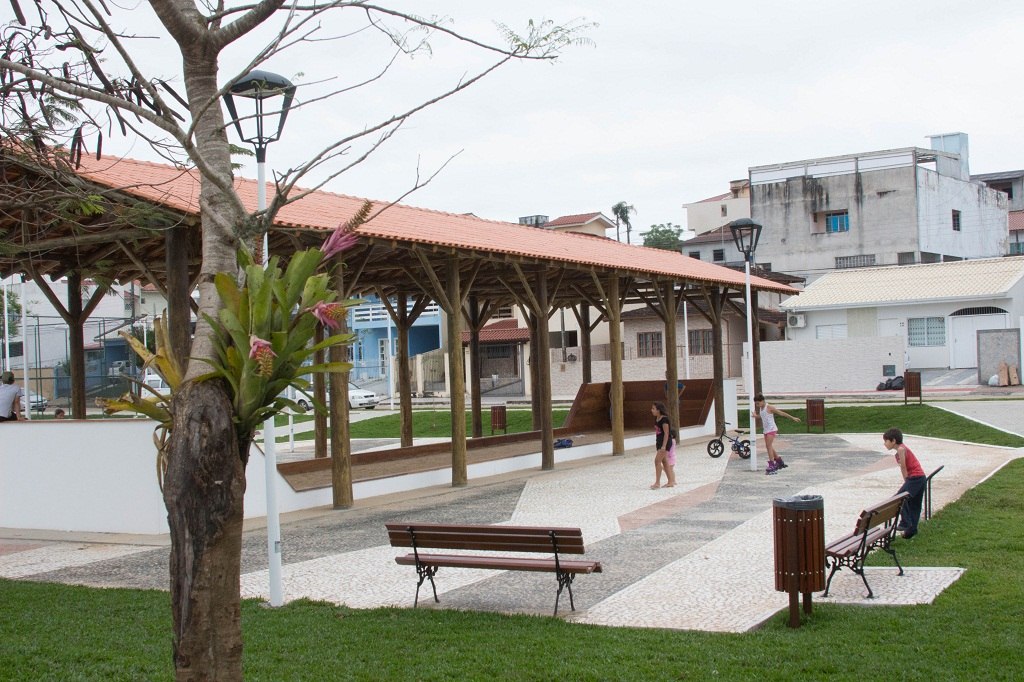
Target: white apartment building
{"x":891,"y":207}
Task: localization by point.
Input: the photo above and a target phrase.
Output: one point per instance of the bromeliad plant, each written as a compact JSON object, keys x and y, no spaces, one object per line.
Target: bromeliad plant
{"x":263,"y":337}
{"x":265,"y":329}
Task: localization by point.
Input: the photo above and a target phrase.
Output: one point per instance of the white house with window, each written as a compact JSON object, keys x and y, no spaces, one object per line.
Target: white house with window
{"x":936,"y":309}
{"x":891,"y":207}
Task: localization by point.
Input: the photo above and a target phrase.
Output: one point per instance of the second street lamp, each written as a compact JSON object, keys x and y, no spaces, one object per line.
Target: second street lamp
{"x":260,"y":126}
{"x":745,"y":232}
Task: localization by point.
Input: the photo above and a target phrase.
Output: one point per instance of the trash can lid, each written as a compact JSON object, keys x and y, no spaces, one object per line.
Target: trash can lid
{"x":800,"y":502}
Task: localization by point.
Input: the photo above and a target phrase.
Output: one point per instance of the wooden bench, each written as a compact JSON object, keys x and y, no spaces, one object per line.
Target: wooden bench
{"x":875,"y":529}
{"x":555,"y":541}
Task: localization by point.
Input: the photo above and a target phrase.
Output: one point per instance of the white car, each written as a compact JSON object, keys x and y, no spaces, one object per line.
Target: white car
{"x":157,"y":383}
{"x":357,"y":397}
{"x":38,"y":402}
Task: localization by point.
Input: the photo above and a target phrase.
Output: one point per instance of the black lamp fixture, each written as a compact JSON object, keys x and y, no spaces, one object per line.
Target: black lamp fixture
{"x":260,"y":86}
{"x":745,"y":232}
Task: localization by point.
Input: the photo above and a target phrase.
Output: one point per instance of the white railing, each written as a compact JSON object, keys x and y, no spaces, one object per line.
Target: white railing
{"x":377,"y":312}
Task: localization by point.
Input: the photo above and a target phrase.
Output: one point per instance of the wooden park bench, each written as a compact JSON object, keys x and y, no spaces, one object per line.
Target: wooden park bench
{"x":875,"y":529}
{"x":555,"y":541}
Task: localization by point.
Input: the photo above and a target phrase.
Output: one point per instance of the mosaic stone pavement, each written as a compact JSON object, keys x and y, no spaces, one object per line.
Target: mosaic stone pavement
{"x":697,"y":556}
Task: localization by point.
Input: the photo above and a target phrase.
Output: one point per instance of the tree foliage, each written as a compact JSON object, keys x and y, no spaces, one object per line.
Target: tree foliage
{"x":664,"y":236}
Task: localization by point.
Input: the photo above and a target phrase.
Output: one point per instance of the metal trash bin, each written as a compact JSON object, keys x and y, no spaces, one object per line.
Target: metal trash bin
{"x":799,"y":534}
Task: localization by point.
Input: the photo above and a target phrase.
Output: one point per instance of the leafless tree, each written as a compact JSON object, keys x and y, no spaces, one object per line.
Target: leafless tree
{"x":70,"y":74}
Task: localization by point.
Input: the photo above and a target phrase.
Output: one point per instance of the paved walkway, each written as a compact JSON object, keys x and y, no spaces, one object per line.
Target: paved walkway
{"x":698,"y":556}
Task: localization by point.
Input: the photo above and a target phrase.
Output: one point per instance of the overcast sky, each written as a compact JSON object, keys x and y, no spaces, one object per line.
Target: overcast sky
{"x":671,"y":102}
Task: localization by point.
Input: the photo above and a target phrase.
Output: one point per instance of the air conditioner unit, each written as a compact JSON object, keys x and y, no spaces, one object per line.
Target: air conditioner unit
{"x":797,"y":321}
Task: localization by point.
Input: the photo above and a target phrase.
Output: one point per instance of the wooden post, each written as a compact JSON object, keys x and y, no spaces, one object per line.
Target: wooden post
{"x":613,"y":306}
{"x":404,"y":382}
{"x":544,"y":371}
{"x":456,"y":369}
{"x":670,"y":303}
{"x":341,"y":444}
{"x":586,"y":355}
{"x":474,"y":367}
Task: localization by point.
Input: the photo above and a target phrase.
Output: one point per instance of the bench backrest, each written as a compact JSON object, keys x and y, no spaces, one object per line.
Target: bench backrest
{"x":486,"y":538}
{"x":881,"y":513}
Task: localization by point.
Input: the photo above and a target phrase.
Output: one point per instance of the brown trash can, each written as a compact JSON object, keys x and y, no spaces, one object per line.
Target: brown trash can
{"x":799,"y":525}
{"x":816,"y":413}
{"x":499,"y":419}
{"x":912,"y":387}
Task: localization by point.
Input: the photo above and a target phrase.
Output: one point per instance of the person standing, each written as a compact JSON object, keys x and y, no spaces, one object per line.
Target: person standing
{"x":10,"y":397}
{"x":766,"y":415}
{"x":664,"y":437}
{"x":914,"y":481}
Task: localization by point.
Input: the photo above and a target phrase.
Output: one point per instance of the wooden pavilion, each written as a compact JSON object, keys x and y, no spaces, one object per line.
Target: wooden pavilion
{"x":129,"y":219}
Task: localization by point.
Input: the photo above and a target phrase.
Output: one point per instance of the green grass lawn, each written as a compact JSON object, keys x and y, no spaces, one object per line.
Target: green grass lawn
{"x":913,"y":419}
{"x":920,"y":420}
{"x":973,"y":631}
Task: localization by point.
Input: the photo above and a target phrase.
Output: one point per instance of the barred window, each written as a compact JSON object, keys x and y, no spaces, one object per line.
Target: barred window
{"x":648,"y":345}
{"x":862,"y":261}
{"x":701,"y":341}
{"x":926,"y":331}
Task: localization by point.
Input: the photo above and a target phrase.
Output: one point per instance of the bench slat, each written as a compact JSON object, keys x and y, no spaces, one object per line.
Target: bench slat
{"x":499,"y":563}
{"x":487,"y":538}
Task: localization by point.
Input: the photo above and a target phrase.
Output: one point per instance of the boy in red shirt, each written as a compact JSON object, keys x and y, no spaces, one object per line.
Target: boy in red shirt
{"x":914,"y":481}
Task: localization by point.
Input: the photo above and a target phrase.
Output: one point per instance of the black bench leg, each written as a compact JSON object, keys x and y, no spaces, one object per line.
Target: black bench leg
{"x":892,"y":552}
{"x":424,"y":573}
{"x":835,"y":567}
{"x":860,"y":572}
{"x":564,"y":580}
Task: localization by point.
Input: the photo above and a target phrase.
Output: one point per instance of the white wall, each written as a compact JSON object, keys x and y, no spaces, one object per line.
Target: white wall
{"x":828,"y":365}
{"x":100,"y":475}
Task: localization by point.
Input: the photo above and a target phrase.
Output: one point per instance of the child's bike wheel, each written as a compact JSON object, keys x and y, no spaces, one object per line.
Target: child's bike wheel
{"x":744,"y":452}
{"x":715,"y":448}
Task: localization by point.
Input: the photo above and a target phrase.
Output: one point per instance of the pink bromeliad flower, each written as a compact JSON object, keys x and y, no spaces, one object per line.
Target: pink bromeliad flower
{"x":339,"y":241}
{"x":329,"y":314}
{"x":263,"y":354}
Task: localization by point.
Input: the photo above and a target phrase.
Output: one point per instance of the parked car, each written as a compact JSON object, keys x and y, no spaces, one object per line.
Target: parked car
{"x":157,"y":383}
{"x":38,"y":402}
{"x":357,"y":397}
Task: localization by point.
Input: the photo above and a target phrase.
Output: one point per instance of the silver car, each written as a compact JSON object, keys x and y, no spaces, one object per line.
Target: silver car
{"x":357,"y":397}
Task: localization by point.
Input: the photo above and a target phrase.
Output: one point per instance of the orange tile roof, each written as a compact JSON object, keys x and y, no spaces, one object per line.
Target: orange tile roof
{"x":179,"y":189}
{"x":505,"y":331}
{"x":576,"y":219}
{"x":1016,"y":220}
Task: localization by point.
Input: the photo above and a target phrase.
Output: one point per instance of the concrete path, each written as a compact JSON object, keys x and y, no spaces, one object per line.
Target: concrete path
{"x":698,"y":556}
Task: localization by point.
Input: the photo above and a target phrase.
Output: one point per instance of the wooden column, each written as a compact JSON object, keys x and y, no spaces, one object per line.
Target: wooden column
{"x":613,"y":309}
{"x":586,"y":353}
{"x":74,"y":315}
{"x":456,"y":371}
{"x":341,"y":443}
{"x":670,"y":305}
{"x":544,"y":370}
{"x":179,"y":303}
{"x":532,"y":323}
{"x":715,"y":299}
{"x":474,"y":366}
{"x":76,"y":344}
{"x":404,"y":374}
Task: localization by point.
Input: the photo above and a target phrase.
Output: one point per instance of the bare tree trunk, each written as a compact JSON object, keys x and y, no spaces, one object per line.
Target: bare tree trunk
{"x":204,"y":488}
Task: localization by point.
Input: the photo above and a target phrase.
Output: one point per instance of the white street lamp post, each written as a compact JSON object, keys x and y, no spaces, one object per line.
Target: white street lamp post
{"x":259,"y":86}
{"x":746,"y":232}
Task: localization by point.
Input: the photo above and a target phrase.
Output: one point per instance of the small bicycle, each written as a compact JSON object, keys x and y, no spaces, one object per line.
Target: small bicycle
{"x":741,"y":447}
